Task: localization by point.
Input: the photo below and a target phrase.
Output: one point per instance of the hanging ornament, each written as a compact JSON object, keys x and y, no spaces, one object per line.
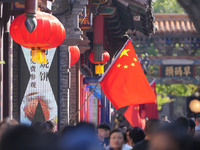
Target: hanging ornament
{"x":75,"y":54}
{"x":49,"y":33}
{"x":99,"y":65}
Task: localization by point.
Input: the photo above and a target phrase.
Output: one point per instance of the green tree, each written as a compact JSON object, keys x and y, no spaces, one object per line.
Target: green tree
{"x":165,"y":91}
{"x":167,"y":6}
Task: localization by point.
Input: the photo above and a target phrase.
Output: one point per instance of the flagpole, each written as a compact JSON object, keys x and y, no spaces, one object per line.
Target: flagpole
{"x":74,"y":117}
{"x":152,"y":81}
{"x":113,"y":61}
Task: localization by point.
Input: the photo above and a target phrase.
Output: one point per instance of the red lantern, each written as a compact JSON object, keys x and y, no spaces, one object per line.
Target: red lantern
{"x":106,"y":57}
{"x":99,"y":67}
{"x":75,"y":54}
{"x":49,"y":33}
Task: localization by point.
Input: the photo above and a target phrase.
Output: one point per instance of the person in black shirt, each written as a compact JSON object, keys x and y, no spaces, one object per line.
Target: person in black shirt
{"x":103,"y":134}
{"x":192,"y":127}
{"x":136,"y":135}
{"x":150,"y":127}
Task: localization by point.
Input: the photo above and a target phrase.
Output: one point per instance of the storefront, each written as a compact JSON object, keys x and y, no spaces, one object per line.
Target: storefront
{"x":97,"y":107}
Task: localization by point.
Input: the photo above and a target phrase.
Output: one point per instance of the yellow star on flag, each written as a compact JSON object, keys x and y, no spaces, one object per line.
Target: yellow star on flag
{"x":119,"y":65}
{"x":125,"y":66}
{"x":124,"y":52}
{"x":132,"y":64}
{"x":135,"y":59}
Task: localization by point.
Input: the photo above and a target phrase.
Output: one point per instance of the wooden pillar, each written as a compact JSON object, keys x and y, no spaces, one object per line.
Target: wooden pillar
{"x":69,"y":19}
{"x":98,"y":38}
{"x":1,"y":59}
{"x":7,"y":49}
{"x":64,"y":86}
{"x":78,"y":75}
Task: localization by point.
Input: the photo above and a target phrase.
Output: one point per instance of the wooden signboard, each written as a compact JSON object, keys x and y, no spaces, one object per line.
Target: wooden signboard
{"x":175,"y":71}
{"x":85,"y":19}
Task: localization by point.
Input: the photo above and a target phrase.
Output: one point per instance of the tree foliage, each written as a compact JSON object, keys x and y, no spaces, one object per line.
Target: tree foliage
{"x":167,"y":6}
{"x":166,"y":92}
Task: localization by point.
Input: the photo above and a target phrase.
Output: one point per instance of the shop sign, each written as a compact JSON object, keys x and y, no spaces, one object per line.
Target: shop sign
{"x":38,"y":99}
{"x":86,"y":22}
{"x":177,"y":71}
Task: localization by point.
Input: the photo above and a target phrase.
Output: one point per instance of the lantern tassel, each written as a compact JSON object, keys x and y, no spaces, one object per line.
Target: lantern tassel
{"x":39,"y":56}
{"x":44,"y":57}
{"x":99,"y":69}
{"x":33,"y":56}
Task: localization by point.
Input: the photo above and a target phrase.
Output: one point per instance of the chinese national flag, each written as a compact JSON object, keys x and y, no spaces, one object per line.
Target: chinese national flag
{"x":135,"y":115}
{"x":151,"y":109}
{"x":124,"y":83}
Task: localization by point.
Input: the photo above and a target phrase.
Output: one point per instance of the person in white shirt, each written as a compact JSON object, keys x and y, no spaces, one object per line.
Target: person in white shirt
{"x":117,"y":140}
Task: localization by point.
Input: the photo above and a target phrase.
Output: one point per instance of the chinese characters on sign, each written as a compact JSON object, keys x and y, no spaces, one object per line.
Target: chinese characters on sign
{"x":177,"y":71}
{"x":43,"y":75}
{"x":85,"y":19}
{"x":82,"y":15}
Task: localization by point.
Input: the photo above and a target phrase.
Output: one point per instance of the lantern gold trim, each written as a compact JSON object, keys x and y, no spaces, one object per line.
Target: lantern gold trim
{"x":39,"y":56}
{"x":99,"y":69}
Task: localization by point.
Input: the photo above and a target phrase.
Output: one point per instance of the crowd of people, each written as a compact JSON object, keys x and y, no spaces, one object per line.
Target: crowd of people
{"x":181,"y":134}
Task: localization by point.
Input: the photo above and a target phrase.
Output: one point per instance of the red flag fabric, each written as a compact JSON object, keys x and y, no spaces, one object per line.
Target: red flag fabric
{"x":151,"y":109}
{"x":124,"y":83}
{"x":135,"y":115}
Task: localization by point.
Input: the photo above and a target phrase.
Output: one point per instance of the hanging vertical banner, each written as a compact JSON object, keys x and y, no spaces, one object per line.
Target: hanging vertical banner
{"x":82,"y":15}
{"x":38,"y":102}
{"x":85,"y":19}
